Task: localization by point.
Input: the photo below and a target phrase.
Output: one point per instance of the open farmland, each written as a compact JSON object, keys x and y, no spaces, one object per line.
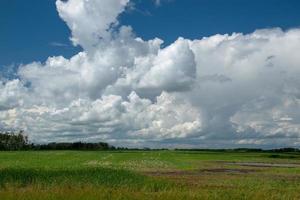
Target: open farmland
{"x":148,"y":175}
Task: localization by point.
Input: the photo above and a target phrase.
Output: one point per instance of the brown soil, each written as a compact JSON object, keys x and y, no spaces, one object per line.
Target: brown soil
{"x":200,"y":172}
{"x":198,"y":177}
{"x":257,"y":164}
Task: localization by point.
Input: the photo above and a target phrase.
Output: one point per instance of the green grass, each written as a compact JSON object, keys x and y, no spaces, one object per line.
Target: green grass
{"x":147,"y":175}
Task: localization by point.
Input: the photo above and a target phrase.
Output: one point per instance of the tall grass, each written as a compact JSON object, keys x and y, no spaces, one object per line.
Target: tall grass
{"x":80,"y":177}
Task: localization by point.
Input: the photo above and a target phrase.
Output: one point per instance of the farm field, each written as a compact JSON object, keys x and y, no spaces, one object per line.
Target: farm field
{"x":148,"y":175}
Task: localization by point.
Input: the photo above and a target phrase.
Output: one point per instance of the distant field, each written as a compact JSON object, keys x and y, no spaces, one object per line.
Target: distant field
{"x":148,"y":175}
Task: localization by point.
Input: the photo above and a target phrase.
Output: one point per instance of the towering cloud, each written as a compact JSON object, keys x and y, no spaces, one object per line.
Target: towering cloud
{"x":220,"y":91}
{"x":90,"y":20}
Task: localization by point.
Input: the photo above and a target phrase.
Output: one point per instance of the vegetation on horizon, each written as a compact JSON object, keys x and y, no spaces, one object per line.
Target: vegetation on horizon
{"x":12,"y":141}
{"x":16,"y":141}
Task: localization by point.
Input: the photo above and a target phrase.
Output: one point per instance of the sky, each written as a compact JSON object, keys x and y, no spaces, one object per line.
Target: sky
{"x":168,"y":73}
{"x":36,"y":23}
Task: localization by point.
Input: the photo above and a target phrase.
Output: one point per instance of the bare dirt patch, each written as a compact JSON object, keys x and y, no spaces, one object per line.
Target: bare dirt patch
{"x":200,"y":172}
{"x":199,"y":177}
{"x":257,"y":164}
{"x":225,"y":170}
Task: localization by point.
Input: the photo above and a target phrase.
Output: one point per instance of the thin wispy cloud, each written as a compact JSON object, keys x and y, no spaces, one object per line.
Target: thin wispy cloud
{"x":58,"y":44}
{"x":160,"y":2}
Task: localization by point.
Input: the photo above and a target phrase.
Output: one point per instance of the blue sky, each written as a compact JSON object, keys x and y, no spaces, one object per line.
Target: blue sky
{"x":32,"y":30}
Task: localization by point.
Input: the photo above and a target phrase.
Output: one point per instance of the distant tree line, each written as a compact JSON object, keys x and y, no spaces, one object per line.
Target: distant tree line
{"x":13,"y":141}
{"x":74,"y":146}
{"x":280,"y":150}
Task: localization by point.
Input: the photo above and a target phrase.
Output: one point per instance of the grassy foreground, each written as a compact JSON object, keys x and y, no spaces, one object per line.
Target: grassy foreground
{"x":148,"y":175}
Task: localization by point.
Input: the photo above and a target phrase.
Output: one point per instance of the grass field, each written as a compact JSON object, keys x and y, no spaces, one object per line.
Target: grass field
{"x":148,"y":175}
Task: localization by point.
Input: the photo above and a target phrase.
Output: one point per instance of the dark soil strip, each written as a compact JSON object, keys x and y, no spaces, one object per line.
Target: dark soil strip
{"x":200,"y":172}
{"x":257,"y":164}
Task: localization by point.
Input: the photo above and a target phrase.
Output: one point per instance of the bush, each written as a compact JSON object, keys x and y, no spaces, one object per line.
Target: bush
{"x":11,"y":141}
